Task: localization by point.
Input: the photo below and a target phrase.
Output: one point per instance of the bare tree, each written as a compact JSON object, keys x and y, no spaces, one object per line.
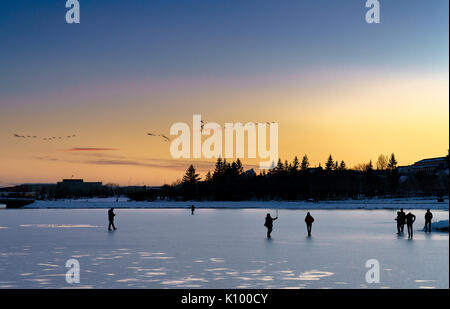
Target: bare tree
{"x":382,"y":162}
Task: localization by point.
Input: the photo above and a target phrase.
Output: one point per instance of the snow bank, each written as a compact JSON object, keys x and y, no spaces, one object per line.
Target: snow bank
{"x":440,"y":225}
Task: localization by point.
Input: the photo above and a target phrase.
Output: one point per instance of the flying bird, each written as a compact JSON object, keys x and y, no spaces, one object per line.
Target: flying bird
{"x":160,"y":135}
{"x":165,"y":137}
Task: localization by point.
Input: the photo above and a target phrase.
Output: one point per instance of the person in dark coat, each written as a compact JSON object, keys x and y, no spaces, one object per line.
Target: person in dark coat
{"x":192,"y":209}
{"x":410,"y":218}
{"x":269,"y":224}
{"x":111,"y":216}
{"x":309,"y":221}
{"x":428,"y":217}
{"x":401,"y":220}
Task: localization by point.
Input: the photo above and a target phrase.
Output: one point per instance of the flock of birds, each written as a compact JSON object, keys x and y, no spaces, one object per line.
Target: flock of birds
{"x":43,"y":138}
{"x":164,"y":137}
{"x":202,"y":125}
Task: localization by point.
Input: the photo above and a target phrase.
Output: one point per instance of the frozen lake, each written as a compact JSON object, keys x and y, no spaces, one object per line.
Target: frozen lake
{"x":217,"y":248}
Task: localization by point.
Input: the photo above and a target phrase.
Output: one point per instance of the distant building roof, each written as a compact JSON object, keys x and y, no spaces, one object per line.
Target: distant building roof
{"x":431,"y":160}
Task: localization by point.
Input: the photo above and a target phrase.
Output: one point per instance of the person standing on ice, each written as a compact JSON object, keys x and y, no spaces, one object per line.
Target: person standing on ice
{"x":111,"y":216}
{"x":269,"y":224}
{"x":410,"y":218}
{"x":309,"y":221}
{"x":428,"y":217}
{"x":401,"y":218}
{"x":192,"y":209}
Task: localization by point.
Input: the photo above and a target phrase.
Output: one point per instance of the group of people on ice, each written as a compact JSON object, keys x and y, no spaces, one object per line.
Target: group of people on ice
{"x":269,"y":223}
{"x":402,"y":219}
{"x":409,"y":219}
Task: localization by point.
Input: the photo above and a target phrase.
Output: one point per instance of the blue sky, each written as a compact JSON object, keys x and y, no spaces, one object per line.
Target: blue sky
{"x":141,"y":39}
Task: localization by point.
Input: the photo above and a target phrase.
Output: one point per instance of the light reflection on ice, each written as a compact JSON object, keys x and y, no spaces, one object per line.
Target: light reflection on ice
{"x":48,"y":265}
{"x":59,"y":225}
{"x":182,"y":281}
{"x":312,"y":275}
{"x":216,"y":269}
{"x":217,"y":260}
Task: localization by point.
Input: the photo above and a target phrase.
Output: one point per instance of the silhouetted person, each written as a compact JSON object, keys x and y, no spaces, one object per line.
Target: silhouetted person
{"x":192,"y":209}
{"x":410,"y":218}
{"x":111,"y":216}
{"x":309,"y":221}
{"x":401,"y":220}
{"x":428,"y":217}
{"x":269,"y":224}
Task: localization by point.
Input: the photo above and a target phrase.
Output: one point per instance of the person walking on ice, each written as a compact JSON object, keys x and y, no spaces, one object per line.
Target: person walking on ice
{"x":401,"y":218}
{"x":269,"y":224}
{"x":111,"y":216}
{"x":309,"y":221}
{"x":428,"y":217}
{"x":410,"y":218}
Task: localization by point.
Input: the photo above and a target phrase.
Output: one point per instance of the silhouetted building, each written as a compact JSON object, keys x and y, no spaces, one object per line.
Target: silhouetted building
{"x":36,"y":188}
{"x":430,"y":166}
{"x":427,"y":166}
{"x":78,"y":186}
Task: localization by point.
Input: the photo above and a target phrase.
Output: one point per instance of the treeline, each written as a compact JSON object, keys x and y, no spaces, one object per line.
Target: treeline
{"x":296,"y":180}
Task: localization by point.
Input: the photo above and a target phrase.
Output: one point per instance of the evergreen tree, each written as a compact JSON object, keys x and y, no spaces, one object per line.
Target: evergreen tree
{"x":295,"y":165}
{"x":342,"y":166}
{"x":226,"y":166}
{"x":218,"y":169}
{"x":208,"y":177}
{"x":392,"y":165}
{"x":330,"y":164}
{"x":393,"y":176}
{"x":336,"y":166}
{"x":287,"y":166}
{"x":239,"y":167}
{"x":305,"y":163}
{"x":278,"y":169}
{"x":190,"y":177}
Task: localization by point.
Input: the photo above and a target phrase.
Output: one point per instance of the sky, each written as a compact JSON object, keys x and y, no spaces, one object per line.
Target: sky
{"x":333,"y":83}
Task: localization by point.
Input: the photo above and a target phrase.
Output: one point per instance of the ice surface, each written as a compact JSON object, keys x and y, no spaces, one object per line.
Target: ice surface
{"x":218,"y":248}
